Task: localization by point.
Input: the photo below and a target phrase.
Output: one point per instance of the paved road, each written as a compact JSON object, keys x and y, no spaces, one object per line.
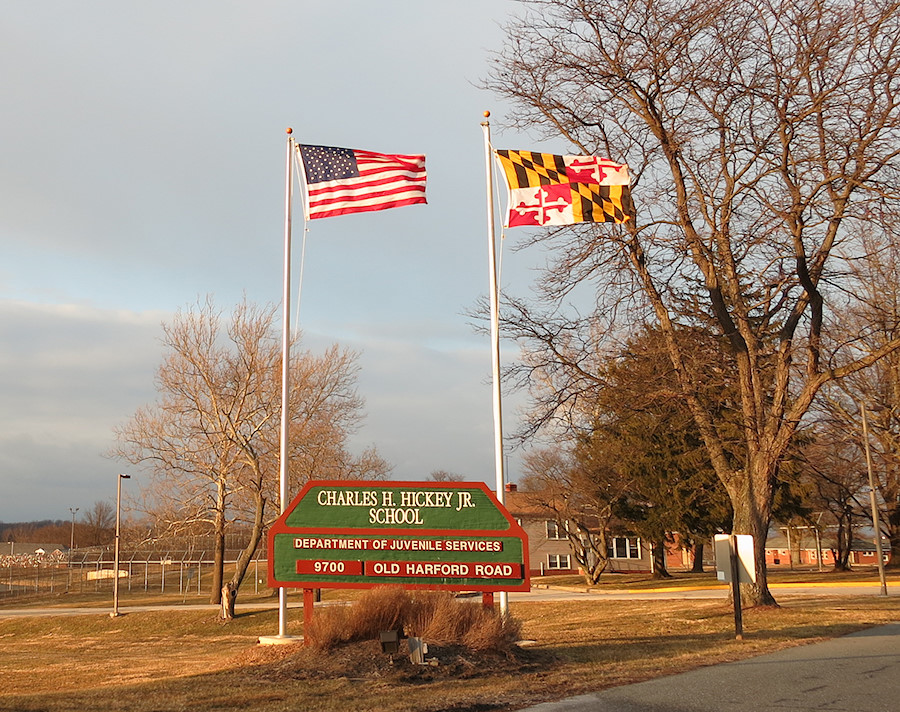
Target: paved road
{"x":856,"y":673}
{"x":536,"y":594}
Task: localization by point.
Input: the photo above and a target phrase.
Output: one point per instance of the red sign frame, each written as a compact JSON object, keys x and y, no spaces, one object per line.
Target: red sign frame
{"x":454,"y":557}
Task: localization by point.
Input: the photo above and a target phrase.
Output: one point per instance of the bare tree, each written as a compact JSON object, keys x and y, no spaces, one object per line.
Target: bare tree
{"x":211,"y":440}
{"x":834,"y":483}
{"x":99,"y":523}
{"x":445,"y":476}
{"x":758,"y":134}
{"x":873,"y":321}
{"x":579,"y":495}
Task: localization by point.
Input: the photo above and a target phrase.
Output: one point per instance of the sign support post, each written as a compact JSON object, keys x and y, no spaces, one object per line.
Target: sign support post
{"x":736,"y":588}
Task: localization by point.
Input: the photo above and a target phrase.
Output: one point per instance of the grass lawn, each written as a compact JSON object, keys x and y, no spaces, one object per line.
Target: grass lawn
{"x":186,"y":660}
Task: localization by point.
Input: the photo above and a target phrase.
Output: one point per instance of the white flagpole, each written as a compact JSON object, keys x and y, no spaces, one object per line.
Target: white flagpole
{"x":495,"y":331}
{"x":286,"y":363}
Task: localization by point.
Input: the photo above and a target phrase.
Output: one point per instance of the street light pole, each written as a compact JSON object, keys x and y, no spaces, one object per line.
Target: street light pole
{"x":72,"y":538}
{"x":115,"y":610}
{"x":71,"y":546}
{"x":873,"y":502}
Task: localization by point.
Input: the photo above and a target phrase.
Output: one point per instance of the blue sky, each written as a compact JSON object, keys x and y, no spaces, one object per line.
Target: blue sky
{"x":142,"y":167}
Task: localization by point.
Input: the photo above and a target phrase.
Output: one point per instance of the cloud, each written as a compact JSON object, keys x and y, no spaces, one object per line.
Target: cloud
{"x":145,"y":167}
{"x":68,"y":375}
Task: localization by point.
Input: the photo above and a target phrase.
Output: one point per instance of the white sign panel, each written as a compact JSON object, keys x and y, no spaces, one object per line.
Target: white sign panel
{"x":745,"y":558}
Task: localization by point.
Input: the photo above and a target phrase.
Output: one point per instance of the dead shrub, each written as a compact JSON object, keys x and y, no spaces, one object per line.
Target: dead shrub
{"x":437,"y":617}
{"x":328,"y":628}
{"x":382,"y":608}
{"x":378,"y":609}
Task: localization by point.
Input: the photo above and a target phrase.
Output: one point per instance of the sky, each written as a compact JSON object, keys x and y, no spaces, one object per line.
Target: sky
{"x":142,"y":167}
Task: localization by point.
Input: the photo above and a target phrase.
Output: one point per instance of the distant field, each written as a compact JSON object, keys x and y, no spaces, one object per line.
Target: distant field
{"x":186,"y":659}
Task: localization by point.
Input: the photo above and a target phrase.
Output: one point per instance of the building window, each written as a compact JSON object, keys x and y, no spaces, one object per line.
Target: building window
{"x":554,"y":531}
{"x":558,"y":561}
{"x":624,"y":547}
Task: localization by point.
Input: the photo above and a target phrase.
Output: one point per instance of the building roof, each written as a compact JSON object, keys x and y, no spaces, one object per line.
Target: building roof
{"x":25,"y":547}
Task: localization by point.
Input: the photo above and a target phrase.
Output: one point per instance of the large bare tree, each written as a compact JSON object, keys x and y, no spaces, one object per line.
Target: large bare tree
{"x":211,"y":440}
{"x":758,"y":132}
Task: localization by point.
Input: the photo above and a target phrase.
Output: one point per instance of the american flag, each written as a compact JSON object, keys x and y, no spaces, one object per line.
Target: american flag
{"x":343,"y":180}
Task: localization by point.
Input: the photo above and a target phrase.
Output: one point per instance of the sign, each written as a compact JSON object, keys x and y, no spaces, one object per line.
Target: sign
{"x":735,"y":563}
{"x":354,"y":534}
{"x":746,"y":566}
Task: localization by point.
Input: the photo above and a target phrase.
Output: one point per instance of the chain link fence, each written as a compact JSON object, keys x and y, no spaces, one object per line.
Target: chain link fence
{"x":185,"y":572}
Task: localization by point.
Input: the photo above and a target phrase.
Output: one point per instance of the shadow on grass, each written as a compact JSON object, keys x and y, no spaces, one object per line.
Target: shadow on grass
{"x":625,"y":648}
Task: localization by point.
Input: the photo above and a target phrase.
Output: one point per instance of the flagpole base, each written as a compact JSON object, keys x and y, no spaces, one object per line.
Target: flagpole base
{"x":280,"y":639}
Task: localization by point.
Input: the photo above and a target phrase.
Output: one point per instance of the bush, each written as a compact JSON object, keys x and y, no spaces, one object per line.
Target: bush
{"x":437,"y":617}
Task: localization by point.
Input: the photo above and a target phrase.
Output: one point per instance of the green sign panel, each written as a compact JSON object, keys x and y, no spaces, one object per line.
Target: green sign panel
{"x":353,"y":534}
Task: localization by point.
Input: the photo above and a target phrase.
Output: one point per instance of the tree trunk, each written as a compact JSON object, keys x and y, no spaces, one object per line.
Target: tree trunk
{"x":229,"y":598}
{"x":844,"y":542}
{"x":893,"y":522}
{"x":841,"y":560}
{"x":697,"y":553}
{"x":658,"y":551}
{"x":215,"y":595}
{"x":230,"y":590}
{"x":751,"y":498}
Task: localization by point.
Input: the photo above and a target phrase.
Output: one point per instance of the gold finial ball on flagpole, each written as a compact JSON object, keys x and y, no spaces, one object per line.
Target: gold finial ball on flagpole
{"x":487,"y":114}
{"x":289,"y":130}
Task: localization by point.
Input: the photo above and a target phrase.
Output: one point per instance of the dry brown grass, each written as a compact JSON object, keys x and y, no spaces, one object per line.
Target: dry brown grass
{"x":437,"y":617}
{"x":179,"y":660}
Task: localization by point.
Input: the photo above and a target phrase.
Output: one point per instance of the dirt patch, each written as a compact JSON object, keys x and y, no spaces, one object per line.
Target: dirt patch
{"x":365,"y":661}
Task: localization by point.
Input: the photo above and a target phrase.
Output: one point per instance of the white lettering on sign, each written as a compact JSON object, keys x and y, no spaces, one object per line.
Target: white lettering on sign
{"x":426,"y":500}
{"x":416,"y":545}
{"x":389,"y":512}
{"x":385,"y":568}
{"x":443,"y":569}
{"x":469,"y":545}
{"x":414,"y":568}
{"x":347,"y":498}
{"x":492,"y":545}
{"x":317,"y":543}
{"x":494,"y":570}
{"x":395,"y":516}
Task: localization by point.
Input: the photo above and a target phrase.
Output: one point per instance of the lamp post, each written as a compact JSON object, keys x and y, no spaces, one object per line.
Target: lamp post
{"x":873,"y":502}
{"x":72,"y":538}
{"x":71,"y":546}
{"x":115,"y":610}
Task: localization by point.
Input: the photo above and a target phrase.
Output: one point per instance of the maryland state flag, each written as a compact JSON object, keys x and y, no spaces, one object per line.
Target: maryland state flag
{"x":563,"y":190}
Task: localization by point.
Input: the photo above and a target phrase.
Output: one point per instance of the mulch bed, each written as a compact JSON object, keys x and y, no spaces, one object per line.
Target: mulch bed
{"x":366,"y":661}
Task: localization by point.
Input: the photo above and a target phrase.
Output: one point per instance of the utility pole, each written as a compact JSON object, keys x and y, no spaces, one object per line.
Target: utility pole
{"x":115,"y":610}
{"x":72,"y":538}
{"x":876,"y":522}
{"x":71,"y":546}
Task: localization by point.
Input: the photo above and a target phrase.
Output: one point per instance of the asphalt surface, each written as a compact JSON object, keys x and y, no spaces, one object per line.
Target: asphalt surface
{"x":536,"y":594}
{"x":855,"y":673}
